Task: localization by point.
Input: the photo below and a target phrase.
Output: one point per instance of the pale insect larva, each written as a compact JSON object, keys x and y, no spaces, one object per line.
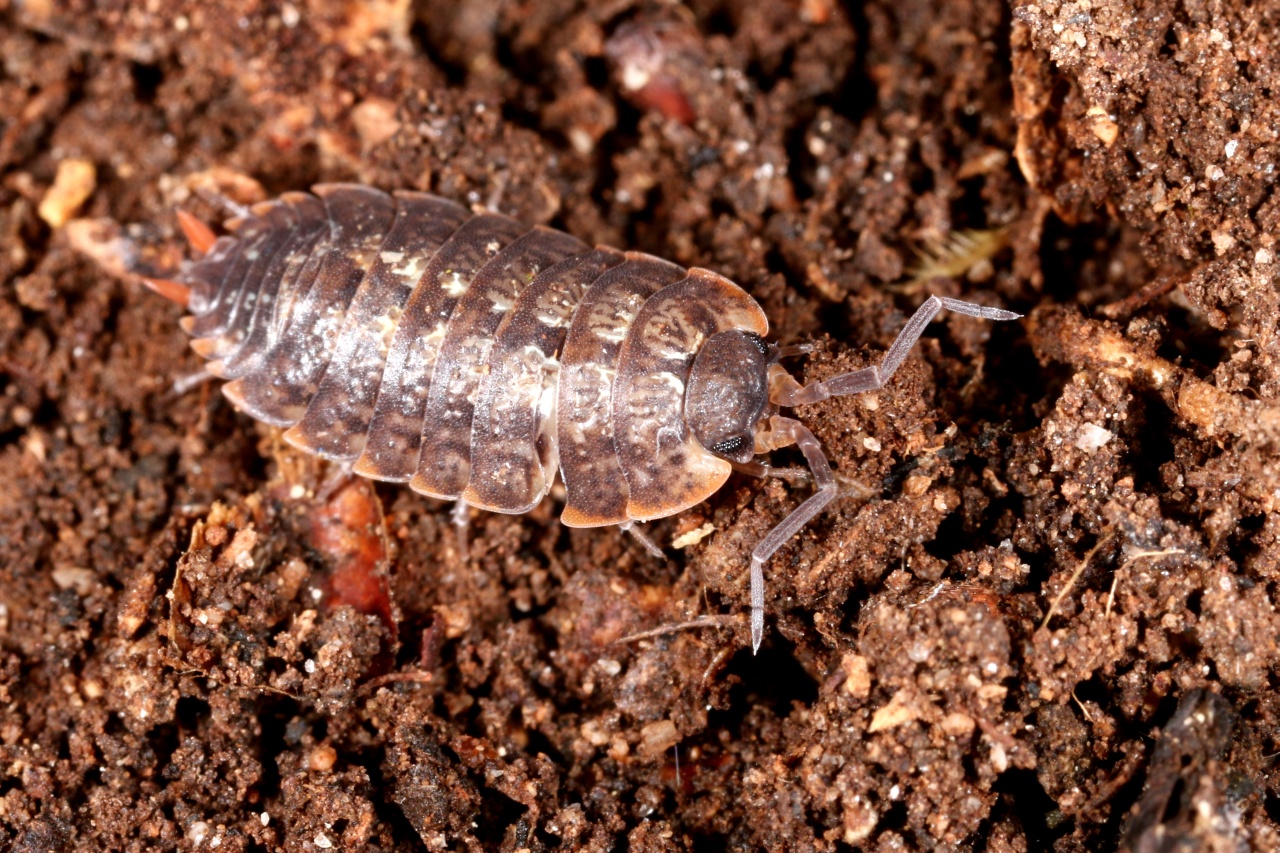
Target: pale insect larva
{"x":475,"y":358}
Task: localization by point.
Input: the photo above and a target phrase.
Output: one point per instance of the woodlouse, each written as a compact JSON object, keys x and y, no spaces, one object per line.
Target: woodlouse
{"x":473,"y":358}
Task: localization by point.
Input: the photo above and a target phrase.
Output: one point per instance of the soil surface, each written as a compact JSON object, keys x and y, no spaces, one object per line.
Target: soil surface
{"x":1042,"y":616}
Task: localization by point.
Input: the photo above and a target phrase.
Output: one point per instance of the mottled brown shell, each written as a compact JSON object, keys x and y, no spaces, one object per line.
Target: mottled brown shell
{"x":463,"y":353}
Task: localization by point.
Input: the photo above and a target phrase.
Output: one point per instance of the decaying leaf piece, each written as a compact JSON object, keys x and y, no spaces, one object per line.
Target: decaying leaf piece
{"x":1187,"y":801}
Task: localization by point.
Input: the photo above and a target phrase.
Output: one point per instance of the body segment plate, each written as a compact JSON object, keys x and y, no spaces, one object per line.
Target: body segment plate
{"x":597,"y":489}
{"x":338,"y":416}
{"x":395,"y":431}
{"x":514,"y":445}
{"x":666,"y":469}
{"x":445,"y":457}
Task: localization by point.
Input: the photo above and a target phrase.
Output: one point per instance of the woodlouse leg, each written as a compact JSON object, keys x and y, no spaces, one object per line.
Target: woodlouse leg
{"x":494,"y":201}
{"x":874,"y":377}
{"x":643,"y":538}
{"x":827,"y":489}
{"x":763,"y":469}
{"x":183,"y":384}
{"x":234,"y":208}
{"x":461,"y":518}
{"x":796,"y":349}
{"x":338,"y":477}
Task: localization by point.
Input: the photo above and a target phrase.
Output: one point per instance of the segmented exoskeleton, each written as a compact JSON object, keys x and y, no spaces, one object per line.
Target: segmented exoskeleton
{"x":474,"y":358}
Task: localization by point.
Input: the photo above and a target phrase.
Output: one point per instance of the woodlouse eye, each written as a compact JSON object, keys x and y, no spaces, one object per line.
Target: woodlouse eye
{"x":729,"y":446}
{"x":758,"y":341}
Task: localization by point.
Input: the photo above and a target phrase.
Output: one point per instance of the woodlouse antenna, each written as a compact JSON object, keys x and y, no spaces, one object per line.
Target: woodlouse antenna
{"x":788,"y":394}
{"x":786,"y":391}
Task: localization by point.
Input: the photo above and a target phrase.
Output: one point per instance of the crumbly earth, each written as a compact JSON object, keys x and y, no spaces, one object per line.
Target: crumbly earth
{"x":1041,"y":617}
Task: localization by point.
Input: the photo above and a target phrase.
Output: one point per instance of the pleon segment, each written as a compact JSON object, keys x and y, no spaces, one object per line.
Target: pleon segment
{"x":245,"y":338}
{"x":337,"y":418}
{"x":207,"y":276}
{"x":279,"y":390}
{"x":257,"y":234}
{"x":281,"y":221}
{"x":514,"y":445}
{"x":445,"y":457}
{"x":300,"y":258}
{"x":667,"y":470}
{"x":597,"y":489}
{"x":395,"y":432}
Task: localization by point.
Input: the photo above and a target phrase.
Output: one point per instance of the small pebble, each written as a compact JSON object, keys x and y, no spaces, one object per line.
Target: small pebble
{"x":74,"y":183}
{"x":322,"y":758}
{"x":1091,"y":437}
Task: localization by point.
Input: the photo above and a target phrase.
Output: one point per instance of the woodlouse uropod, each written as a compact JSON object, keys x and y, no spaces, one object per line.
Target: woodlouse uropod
{"x":474,"y":358}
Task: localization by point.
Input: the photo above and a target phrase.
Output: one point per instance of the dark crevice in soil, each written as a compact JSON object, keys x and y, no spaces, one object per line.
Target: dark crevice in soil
{"x":147,"y":79}
{"x":1034,"y":808}
{"x":857,"y":92}
{"x":771,"y":679}
{"x":387,"y":811}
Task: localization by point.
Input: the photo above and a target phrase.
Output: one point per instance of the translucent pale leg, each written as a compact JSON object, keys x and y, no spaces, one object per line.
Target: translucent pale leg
{"x":763,"y":469}
{"x":461,"y":518}
{"x":825,"y":482}
{"x":183,"y":384}
{"x":871,"y":378}
{"x":234,"y":208}
{"x":643,"y":538}
{"x":791,"y":393}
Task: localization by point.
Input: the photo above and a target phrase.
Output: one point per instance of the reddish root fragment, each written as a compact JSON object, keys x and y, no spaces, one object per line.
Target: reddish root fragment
{"x":664,"y":95}
{"x":199,"y":235}
{"x":174,"y":291}
{"x":348,"y":528}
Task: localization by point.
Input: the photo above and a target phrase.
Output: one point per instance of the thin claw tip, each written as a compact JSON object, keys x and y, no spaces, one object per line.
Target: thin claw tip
{"x":757,"y":630}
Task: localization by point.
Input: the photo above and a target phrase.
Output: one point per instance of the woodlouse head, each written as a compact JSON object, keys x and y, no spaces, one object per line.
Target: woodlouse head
{"x":728,"y":393}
